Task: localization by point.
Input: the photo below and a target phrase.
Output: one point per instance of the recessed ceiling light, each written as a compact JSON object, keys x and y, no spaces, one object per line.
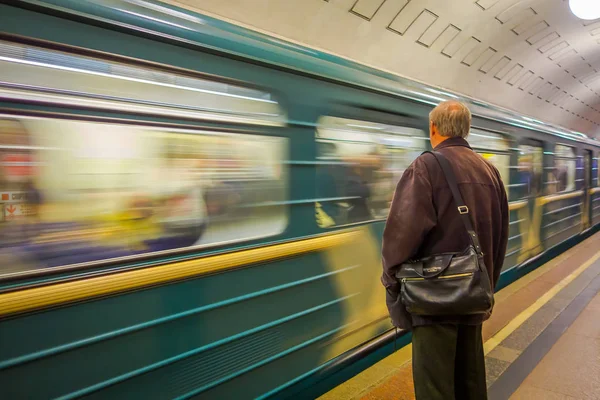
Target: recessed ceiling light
{"x":585,"y":9}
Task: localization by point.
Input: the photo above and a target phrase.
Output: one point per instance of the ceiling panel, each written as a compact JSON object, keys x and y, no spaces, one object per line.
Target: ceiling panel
{"x":367,"y":8}
{"x":502,"y":68}
{"x":533,"y":56}
{"x":485,"y":4}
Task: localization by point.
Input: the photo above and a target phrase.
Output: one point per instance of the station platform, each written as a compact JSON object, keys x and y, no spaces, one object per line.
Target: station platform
{"x":542,"y":342}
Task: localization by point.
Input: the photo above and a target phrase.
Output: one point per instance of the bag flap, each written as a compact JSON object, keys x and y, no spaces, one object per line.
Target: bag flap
{"x":440,"y":264}
{"x":425,"y":267}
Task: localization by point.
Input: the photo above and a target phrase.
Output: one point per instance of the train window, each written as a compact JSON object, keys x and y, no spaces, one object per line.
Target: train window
{"x":75,"y":192}
{"x":530,"y":169}
{"x":360,"y":164}
{"x":565,"y":164}
{"x":494,"y":148}
{"x":43,"y":75}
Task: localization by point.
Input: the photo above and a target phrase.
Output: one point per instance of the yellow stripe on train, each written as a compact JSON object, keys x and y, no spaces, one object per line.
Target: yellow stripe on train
{"x":66,"y":292}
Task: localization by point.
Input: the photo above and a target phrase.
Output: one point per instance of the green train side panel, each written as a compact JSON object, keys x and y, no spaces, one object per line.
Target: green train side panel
{"x":236,"y":334}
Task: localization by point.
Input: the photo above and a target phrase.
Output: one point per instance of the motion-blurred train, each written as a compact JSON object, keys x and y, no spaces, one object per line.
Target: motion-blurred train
{"x":194,"y":210}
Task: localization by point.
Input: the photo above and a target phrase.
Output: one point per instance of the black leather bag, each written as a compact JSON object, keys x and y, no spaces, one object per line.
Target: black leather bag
{"x":451,"y":283}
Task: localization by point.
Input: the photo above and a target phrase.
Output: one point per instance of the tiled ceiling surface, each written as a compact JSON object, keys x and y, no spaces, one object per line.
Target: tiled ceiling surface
{"x":532,"y":56}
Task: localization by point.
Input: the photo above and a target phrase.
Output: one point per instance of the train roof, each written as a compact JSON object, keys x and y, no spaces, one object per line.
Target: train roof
{"x":173,"y":23}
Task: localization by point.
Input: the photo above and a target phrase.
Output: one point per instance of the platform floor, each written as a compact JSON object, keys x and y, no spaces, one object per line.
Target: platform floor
{"x":542,"y":342}
{"x":571,"y":369}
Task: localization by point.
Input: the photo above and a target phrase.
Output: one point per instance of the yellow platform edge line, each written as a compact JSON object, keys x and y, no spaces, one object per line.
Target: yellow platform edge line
{"x":533,"y":275}
{"x":516,"y":322}
{"x":66,"y":292}
{"x":369,"y":379}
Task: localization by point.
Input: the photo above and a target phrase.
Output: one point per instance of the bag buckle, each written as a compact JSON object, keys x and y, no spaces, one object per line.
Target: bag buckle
{"x":463,"y":209}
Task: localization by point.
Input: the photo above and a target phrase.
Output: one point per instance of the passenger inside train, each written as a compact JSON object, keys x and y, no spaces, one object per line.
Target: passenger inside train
{"x":97,"y":192}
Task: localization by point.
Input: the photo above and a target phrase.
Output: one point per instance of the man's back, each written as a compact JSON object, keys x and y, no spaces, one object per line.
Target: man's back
{"x":424,"y":219}
{"x":482,"y":189}
{"x":448,"y":360}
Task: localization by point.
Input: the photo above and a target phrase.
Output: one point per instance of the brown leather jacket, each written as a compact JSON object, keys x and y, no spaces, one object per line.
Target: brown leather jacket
{"x":423,"y":221}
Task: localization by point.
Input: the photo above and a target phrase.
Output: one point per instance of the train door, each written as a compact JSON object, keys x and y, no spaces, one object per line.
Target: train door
{"x":595,"y":193}
{"x":587,"y":184}
{"x":530,"y":168}
{"x":530,"y":171}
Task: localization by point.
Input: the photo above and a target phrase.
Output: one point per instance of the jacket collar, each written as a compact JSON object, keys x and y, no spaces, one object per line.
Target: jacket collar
{"x":455,"y":141}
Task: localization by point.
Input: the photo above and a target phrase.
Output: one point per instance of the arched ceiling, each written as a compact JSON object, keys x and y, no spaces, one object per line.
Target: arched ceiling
{"x":532,"y":56}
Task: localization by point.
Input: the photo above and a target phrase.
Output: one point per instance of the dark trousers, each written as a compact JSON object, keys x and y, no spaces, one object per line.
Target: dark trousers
{"x":448,"y":362}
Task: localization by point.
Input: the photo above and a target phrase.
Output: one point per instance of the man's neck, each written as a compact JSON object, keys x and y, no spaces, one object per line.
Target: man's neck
{"x":435,"y":142}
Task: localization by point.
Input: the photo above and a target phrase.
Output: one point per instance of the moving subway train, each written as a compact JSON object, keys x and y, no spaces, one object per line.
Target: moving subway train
{"x":192,"y":209}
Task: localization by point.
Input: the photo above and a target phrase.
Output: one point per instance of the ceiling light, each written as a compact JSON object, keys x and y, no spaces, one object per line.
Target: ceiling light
{"x":585,"y":9}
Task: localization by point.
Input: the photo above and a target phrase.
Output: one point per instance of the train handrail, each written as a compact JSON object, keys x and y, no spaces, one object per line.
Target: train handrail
{"x":556,"y":197}
{"x":517,"y":205}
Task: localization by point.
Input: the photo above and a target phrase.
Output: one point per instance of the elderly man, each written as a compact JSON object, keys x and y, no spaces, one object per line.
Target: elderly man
{"x":448,"y":359}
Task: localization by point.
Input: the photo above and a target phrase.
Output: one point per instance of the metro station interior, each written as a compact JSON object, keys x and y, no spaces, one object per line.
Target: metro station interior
{"x":193,"y":193}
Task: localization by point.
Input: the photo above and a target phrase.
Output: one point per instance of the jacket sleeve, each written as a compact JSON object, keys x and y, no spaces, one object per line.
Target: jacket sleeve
{"x":411,"y":217}
{"x":503,"y":239}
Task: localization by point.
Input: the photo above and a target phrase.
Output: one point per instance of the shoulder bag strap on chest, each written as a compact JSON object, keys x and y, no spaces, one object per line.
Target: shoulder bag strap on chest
{"x":463,"y":210}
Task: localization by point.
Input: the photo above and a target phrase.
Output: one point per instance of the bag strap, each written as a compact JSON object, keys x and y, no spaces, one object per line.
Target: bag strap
{"x":463,"y":210}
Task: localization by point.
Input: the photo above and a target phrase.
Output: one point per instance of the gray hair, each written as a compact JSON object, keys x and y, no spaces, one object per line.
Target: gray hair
{"x":452,"y":118}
